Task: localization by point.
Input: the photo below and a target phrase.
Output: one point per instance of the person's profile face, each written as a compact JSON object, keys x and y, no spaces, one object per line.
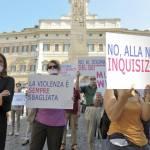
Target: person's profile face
{"x":18,"y":85}
{"x":92,"y":81}
{"x":1,"y":64}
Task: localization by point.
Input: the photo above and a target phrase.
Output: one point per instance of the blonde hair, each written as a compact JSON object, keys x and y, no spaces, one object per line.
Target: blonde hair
{"x":4,"y":72}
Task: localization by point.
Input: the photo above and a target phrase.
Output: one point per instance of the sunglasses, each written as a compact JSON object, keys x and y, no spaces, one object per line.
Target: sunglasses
{"x":92,"y":79}
{"x":54,"y":67}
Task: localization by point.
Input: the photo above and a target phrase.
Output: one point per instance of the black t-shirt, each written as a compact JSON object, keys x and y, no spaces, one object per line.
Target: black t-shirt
{"x":6,"y":83}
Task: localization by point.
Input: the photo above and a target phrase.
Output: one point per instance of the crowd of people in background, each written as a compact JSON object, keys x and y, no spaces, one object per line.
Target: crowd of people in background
{"x":126,"y":110}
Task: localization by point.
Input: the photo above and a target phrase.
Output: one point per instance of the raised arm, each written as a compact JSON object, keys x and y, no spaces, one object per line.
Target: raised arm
{"x":77,"y":81}
{"x":114,"y":107}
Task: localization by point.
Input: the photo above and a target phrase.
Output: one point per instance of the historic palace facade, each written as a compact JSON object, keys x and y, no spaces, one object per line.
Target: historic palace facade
{"x":78,"y":34}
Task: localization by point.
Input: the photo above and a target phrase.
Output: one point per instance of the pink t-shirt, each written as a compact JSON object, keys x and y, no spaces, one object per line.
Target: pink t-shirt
{"x":51,"y":117}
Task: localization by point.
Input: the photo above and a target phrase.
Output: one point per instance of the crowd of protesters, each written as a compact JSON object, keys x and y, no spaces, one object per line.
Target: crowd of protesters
{"x":127,"y":111}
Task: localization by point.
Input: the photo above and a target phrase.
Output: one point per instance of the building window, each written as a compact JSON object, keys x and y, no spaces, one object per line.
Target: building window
{"x":13,"y":68}
{"x":101,"y":47}
{"x":91,"y":47}
{"x":44,"y":67}
{"x":25,"y":48}
{"x":6,"y":50}
{"x":22,"y":49}
{"x":15,"y":49}
{"x":57,"y":34}
{"x":90,"y":34}
{"x":46,"y":47}
{"x":46,"y":35}
{"x":25,"y":37}
{"x":32,"y":68}
{"x":22,"y":68}
{"x":16,"y":38}
{"x":100,"y":34}
{"x":67,"y":35}
{"x":33,"y":48}
{"x":56,"y":47}
{"x":66,"y":47}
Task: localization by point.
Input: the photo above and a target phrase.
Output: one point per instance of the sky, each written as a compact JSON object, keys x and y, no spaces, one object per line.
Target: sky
{"x":16,"y":15}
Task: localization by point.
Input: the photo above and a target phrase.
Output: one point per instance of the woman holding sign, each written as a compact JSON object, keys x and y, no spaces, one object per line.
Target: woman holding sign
{"x":6,"y":95}
{"x":126,"y":113}
{"x":49,"y":123}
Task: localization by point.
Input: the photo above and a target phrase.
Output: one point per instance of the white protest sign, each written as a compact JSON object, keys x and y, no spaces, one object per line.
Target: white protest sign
{"x":50,"y":91}
{"x":68,"y":69}
{"x":127,"y":61}
{"x":87,"y":65}
{"x":19,"y":99}
{"x":100,"y":75}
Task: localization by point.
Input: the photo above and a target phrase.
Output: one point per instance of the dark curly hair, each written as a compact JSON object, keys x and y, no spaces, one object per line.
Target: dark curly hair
{"x":4,"y":72}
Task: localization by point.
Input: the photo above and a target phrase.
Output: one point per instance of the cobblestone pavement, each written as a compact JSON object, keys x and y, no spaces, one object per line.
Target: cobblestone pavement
{"x":14,"y":142}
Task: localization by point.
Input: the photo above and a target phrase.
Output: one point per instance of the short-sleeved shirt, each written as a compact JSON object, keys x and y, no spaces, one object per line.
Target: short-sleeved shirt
{"x":51,"y":117}
{"x":89,"y":93}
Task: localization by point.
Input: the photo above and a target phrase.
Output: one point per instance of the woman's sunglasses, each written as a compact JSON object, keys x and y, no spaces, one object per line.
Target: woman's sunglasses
{"x":92,"y":79}
{"x":54,"y":67}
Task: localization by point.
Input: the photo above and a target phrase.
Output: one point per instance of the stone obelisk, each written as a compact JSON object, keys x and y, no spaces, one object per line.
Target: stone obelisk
{"x":78,"y":38}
